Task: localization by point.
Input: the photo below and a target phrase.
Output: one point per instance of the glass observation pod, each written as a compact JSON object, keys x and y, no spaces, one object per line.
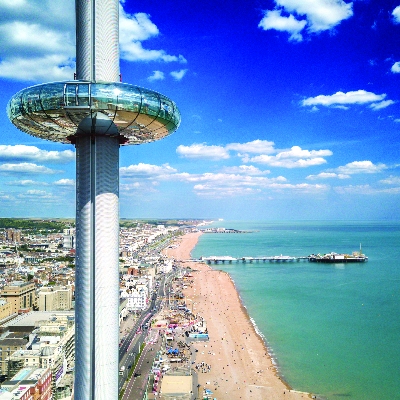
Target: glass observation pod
{"x":53,"y":111}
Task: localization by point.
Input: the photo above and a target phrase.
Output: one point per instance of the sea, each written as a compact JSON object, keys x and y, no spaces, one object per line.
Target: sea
{"x":332,"y":329}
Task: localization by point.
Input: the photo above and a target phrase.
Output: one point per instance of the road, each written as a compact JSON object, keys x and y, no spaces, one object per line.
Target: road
{"x":135,"y":337}
{"x":136,"y":386}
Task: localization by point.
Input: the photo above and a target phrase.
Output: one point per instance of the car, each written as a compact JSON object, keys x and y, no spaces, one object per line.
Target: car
{"x":136,"y":374}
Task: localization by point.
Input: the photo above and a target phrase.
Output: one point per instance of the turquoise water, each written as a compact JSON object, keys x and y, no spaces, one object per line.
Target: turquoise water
{"x":334,"y":329}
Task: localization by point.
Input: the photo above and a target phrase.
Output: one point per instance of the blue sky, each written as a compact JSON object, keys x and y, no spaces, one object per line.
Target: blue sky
{"x":290,"y":109}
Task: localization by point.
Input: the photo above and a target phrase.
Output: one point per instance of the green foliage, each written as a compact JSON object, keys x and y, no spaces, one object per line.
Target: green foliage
{"x":36,"y":226}
{"x":127,"y":223}
{"x":65,"y":259}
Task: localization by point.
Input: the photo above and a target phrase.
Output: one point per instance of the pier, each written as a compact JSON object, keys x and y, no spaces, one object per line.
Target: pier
{"x":231,"y":260}
{"x":224,"y":230}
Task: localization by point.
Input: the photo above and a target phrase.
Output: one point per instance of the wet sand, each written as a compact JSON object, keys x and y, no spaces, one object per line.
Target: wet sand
{"x":241,"y":367}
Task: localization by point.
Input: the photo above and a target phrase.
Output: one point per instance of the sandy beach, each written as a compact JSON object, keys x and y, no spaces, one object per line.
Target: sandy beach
{"x":240,"y":365}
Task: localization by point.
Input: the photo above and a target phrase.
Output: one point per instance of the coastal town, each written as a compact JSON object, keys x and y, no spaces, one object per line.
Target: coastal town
{"x":184,"y":332}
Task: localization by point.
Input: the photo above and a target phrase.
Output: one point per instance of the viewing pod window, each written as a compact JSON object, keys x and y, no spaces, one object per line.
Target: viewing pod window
{"x":77,"y":95}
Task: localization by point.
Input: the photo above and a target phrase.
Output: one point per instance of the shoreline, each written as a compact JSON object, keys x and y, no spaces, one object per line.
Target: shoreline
{"x":242,"y":363}
{"x":260,"y":335}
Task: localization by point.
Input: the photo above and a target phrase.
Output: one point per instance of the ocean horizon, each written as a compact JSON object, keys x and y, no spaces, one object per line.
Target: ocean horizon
{"x":332,"y":329}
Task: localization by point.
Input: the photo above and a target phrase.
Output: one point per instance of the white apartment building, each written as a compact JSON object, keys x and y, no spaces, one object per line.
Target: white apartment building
{"x":68,"y":242}
{"x":164,"y":266}
{"x":136,"y":291}
{"x":55,"y":298}
{"x":137,"y":299}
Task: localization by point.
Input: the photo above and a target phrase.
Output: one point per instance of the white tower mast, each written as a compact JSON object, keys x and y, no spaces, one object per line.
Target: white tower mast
{"x":96,"y":113}
{"x":97,"y":210}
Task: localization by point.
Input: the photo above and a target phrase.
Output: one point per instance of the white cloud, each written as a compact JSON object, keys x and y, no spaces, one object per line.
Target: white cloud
{"x":327,"y":175}
{"x":142,"y":170}
{"x":273,"y":161}
{"x":129,"y":186}
{"x":205,"y":190}
{"x":30,"y":182}
{"x":26,"y":182}
{"x":65,"y":182}
{"x":231,"y":181}
{"x":365,"y":190}
{"x":361,"y":167}
{"x":37,"y":45}
{"x":396,"y":67}
{"x":52,"y":67}
{"x":245,"y":170}
{"x":296,"y":157}
{"x":355,"y":97}
{"x":21,"y":152}
{"x":225,"y":179}
{"x":59,"y":13}
{"x":396,"y":15}
{"x":213,"y":191}
{"x":134,"y":51}
{"x":394,"y":190}
{"x":34,"y":39}
{"x":133,"y":29}
{"x":136,"y":27}
{"x":178,"y":75}
{"x":143,"y":189}
{"x":36,"y":194}
{"x":256,"y":146}
{"x":380,"y":105}
{"x":40,"y":46}
{"x":238,"y":187}
{"x":226,"y":184}
{"x":202,"y":151}
{"x":355,"y":189}
{"x":391,"y":180}
{"x":12,"y":3}
{"x":274,"y":20}
{"x":298,"y":152}
{"x":320,"y":15}
{"x":300,"y":187}
{"x":26,"y":168}
{"x":157,"y":76}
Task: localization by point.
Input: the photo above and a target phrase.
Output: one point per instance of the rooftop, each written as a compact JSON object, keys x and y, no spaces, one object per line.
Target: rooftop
{"x":34,"y":317}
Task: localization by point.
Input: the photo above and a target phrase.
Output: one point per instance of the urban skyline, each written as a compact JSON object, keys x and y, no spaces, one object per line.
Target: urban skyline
{"x":287,"y":113}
